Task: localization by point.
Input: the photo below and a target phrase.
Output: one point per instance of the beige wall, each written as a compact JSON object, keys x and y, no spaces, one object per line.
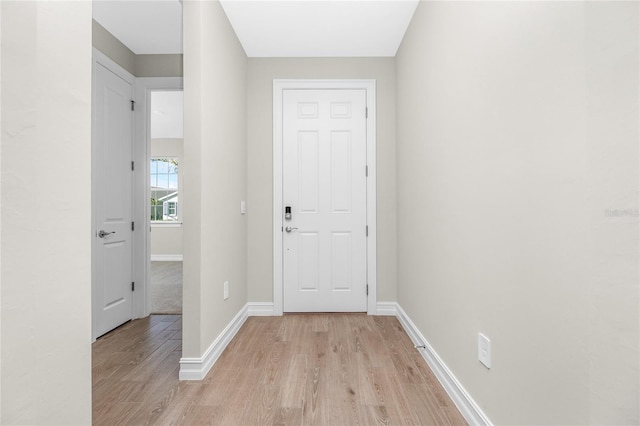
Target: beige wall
{"x":167,"y":239}
{"x":215,"y":233}
{"x":168,"y":65}
{"x":46,"y":233}
{"x":611,"y":153}
{"x":137,"y":65}
{"x":260,"y":153}
{"x":517,"y":131}
{"x":106,"y":43}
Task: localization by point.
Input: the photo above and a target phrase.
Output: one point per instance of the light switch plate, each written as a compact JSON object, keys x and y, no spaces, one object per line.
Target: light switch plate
{"x":484,"y":350}
{"x":226,"y":290}
{"x":243,"y":207}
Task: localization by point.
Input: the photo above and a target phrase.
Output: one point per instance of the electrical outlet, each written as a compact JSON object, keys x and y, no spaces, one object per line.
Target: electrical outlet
{"x":226,"y":290}
{"x":484,"y":350}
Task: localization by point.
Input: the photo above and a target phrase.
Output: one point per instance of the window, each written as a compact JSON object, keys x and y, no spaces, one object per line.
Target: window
{"x":164,"y":190}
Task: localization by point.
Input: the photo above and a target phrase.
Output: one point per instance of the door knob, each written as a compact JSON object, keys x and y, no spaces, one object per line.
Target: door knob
{"x":289,"y":229}
{"x":103,"y":234}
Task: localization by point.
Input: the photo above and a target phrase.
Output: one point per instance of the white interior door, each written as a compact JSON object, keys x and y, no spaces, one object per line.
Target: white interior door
{"x":324,"y":184}
{"x":112,"y":189}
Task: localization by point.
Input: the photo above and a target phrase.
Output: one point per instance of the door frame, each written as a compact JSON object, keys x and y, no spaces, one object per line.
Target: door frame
{"x":142,"y":156}
{"x":140,"y":242}
{"x":99,"y":58}
{"x":279,"y":86}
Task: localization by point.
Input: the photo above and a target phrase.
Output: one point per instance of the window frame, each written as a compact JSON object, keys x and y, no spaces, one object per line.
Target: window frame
{"x":165,"y":223}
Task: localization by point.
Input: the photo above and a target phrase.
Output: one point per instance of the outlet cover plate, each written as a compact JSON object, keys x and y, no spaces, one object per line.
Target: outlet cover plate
{"x":226,"y":290}
{"x":484,"y":350}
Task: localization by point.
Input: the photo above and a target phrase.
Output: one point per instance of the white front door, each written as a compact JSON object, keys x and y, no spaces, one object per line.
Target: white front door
{"x":112,"y":189}
{"x":325,"y":189}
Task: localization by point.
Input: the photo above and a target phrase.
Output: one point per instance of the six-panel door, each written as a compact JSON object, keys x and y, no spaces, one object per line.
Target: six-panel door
{"x":324,"y":183}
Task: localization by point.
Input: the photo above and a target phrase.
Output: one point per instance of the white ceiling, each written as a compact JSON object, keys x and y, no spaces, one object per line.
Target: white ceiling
{"x":306,"y":28}
{"x":144,"y":26}
{"x":285,"y":28}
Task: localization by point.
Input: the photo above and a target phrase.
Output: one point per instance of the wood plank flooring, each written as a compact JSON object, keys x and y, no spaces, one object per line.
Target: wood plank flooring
{"x":333,"y":369}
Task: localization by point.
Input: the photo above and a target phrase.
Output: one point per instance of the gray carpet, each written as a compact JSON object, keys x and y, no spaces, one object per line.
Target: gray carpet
{"x":166,"y":287}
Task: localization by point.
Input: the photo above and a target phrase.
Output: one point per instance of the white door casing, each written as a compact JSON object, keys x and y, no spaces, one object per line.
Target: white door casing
{"x":112,"y":175}
{"x":323,"y":144}
{"x":142,"y":154}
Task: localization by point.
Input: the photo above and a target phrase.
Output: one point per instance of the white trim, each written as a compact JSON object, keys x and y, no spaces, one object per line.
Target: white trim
{"x":157,"y":224}
{"x":461,"y":398}
{"x":278,"y":87}
{"x":142,"y":154}
{"x":166,"y":258}
{"x":389,"y":309}
{"x":197,"y":368}
{"x":111,"y":65}
{"x":260,"y":309}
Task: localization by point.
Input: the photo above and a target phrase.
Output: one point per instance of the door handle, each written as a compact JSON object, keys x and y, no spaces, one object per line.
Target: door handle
{"x":103,"y":234}
{"x":289,"y":229}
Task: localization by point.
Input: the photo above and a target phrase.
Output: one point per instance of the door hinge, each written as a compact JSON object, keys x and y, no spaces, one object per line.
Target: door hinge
{"x":133,"y":226}
{"x":366,"y":171}
{"x":367,"y":289}
{"x":133,"y":165}
{"x":366,"y":230}
{"x":133,"y":105}
{"x":133,"y":286}
{"x":366,"y":112}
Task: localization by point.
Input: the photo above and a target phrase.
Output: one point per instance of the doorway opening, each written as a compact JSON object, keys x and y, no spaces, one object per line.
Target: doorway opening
{"x":124,"y":36}
{"x":165,"y":210}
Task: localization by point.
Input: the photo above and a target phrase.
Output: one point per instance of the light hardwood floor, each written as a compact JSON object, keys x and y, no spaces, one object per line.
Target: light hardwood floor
{"x":334,"y":369}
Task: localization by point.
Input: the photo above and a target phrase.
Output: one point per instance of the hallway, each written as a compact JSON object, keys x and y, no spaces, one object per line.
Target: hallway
{"x":334,"y":369}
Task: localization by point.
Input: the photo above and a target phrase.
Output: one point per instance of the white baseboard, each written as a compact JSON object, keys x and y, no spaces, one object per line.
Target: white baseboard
{"x":260,"y":309}
{"x":467,"y":406}
{"x":387,"y":309}
{"x":197,"y":368}
{"x":166,"y":258}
